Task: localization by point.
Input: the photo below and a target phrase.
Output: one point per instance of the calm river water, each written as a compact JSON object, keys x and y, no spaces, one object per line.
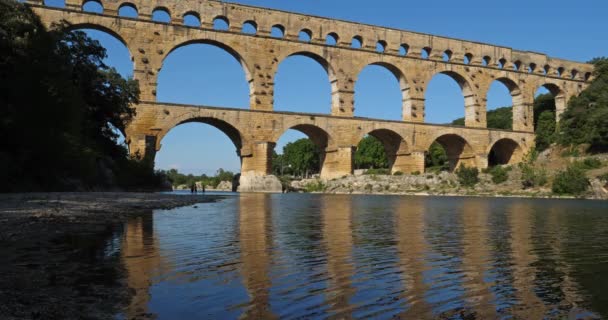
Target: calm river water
{"x":317,"y":256}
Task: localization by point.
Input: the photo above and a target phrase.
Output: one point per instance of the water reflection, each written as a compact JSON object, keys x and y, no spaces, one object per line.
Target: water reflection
{"x":256,"y":243}
{"x":337,"y":234}
{"x":325,"y":256}
{"x":412,"y":248}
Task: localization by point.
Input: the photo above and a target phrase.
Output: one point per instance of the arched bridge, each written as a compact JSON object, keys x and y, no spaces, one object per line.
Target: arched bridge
{"x":413,"y":58}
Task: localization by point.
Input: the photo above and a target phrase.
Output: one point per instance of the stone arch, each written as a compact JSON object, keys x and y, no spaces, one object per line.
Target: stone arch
{"x":189,"y":15}
{"x":86,"y":3}
{"x":558,"y":94}
{"x":504,"y":152}
{"x":472,"y":112}
{"x":228,"y":129}
{"x":234,"y":53}
{"x":125,"y":5}
{"x":218,"y":20}
{"x":517,"y":98}
{"x":324,"y":63}
{"x":401,"y":79}
{"x":459,"y":151}
{"x":250,"y":27}
{"x":163,"y":10}
{"x":395,"y":147}
{"x":318,"y":135}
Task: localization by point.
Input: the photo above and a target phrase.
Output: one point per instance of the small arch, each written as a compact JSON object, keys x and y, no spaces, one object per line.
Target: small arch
{"x":250,"y":27}
{"x":128,"y":10}
{"x":587,"y":76}
{"x":394,"y":145}
{"x":468,"y":57}
{"x":485,"y":61}
{"x":546,"y":69}
{"x":517,"y":65}
{"x":332,"y":39}
{"x":531,"y":67}
{"x":447,"y":55}
{"x":277,"y":31}
{"x":161,"y":14}
{"x":404,"y":49}
{"x":305,"y":35}
{"x":92,"y":6}
{"x":381,"y":46}
{"x":573,"y":74}
{"x":356,"y":42}
{"x":458,"y":150}
{"x":221,"y":23}
{"x":501,"y":63}
{"x":54,"y":3}
{"x":504,"y":152}
{"x":560,"y":72}
{"x":192,"y":19}
{"x":425,"y":53}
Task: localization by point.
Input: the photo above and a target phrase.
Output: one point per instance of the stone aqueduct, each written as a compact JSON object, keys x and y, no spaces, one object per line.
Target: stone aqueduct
{"x":474,"y":66}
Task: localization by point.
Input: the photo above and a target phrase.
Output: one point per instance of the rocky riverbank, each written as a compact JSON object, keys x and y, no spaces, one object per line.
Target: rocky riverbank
{"x":443,"y":183}
{"x":37,"y":283}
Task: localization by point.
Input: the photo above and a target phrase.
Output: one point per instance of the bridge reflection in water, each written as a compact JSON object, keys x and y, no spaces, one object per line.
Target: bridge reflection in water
{"x":319,"y":256}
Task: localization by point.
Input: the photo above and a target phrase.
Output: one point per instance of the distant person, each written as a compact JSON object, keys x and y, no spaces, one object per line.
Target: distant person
{"x":203,"y":188}
{"x":195,"y":188}
{"x":192,"y":188}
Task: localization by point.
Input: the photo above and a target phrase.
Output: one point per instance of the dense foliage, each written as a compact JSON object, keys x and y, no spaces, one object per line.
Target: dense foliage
{"x":61,"y":107}
{"x":468,"y":177}
{"x":585,"y":121}
{"x":370,"y":154}
{"x":176,"y":178}
{"x":531,"y":176}
{"x":499,"y":174}
{"x":570,"y":181}
{"x":436,"y":159}
{"x":300,"y":158}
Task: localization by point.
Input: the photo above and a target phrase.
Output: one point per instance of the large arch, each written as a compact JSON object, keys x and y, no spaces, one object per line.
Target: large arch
{"x":401,"y":96}
{"x":320,"y":138}
{"x":469,"y":106}
{"x":558,"y":94}
{"x":459,"y":151}
{"x":211,"y":50}
{"x":301,"y":73}
{"x":516,"y":98}
{"x":505,"y":152}
{"x":164,"y":158}
{"x":395,"y":147}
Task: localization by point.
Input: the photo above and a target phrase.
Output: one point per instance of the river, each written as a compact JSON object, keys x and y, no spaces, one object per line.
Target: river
{"x":262,"y":256}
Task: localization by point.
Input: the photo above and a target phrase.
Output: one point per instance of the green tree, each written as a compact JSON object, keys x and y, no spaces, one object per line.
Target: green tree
{"x":436,"y":158}
{"x":60,"y":107}
{"x":370,"y":154}
{"x":545,"y":130}
{"x":585,"y":121}
{"x":302,"y":156}
{"x":500,"y":118}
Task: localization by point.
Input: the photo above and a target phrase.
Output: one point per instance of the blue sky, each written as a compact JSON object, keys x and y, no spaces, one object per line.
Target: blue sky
{"x":202,"y":74}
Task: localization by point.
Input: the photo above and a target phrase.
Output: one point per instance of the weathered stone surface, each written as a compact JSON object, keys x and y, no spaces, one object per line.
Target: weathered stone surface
{"x":224,"y":186}
{"x":337,"y":134}
{"x":256,"y":183}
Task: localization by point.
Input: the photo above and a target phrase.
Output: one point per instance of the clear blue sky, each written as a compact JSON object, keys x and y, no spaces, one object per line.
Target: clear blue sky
{"x":202,"y":74}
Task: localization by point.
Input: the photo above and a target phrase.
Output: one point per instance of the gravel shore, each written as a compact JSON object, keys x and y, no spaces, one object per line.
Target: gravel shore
{"x":54,"y":265}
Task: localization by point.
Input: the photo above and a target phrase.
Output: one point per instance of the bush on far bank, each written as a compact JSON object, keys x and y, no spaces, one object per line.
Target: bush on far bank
{"x":570,"y":181}
{"x":467,"y":177}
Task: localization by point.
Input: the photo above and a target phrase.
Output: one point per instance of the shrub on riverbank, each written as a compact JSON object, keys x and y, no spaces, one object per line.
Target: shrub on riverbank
{"x":467,"y":177}
{"x":570,"y":181}
{"x":499,"y":174}
{"x":531,"y":176}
